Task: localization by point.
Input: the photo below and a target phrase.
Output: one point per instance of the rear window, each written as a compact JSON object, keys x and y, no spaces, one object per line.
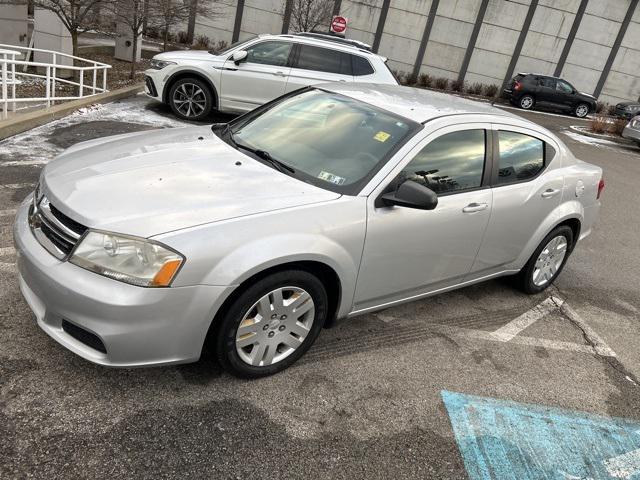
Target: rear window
{"x":323,"y":60}
{"x":521,"y":157}
{"x":361,"y":66}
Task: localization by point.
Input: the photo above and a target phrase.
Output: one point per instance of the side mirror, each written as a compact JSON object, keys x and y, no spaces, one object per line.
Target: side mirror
{"x":239,"y":56}
{"x":411,"y":194}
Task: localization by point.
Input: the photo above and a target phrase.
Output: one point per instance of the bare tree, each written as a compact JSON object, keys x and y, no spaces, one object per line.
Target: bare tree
{"x":77,"y":16}
{"x":165,"y":14}
{"x":133,"y":14}
{"x":306,"y":15}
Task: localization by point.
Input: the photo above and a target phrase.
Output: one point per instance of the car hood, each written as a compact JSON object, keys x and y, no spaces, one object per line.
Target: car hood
{"x":153,"y":182}
{"x":183,"y":55}
{"x":587,"y":96}
{"x":627,"y":104}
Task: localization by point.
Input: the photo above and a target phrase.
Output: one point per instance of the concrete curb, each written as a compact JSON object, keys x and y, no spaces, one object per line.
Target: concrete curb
{"x":610,"y":138}
{"x":22,"y":122}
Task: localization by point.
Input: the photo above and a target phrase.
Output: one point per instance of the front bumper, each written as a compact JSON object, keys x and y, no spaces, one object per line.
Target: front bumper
{"x":631,"y":133}
{"x":153,"y":83}
{"x":138,"y":326}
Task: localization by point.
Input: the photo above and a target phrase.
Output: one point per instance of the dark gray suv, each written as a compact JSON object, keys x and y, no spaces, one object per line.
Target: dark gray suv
{"x":527,"y":90}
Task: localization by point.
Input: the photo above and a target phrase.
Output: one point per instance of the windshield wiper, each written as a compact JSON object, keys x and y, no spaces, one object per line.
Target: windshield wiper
{"x":264,"y":155}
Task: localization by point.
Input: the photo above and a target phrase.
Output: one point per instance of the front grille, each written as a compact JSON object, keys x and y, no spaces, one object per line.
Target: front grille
{"x":150,"y":86}
{"x":83,"y":336}
{"x":56,"y":232}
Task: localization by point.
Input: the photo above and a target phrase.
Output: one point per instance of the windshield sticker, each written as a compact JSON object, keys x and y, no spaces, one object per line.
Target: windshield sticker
{"x":330,"y":177}
{"x":381,"y":136}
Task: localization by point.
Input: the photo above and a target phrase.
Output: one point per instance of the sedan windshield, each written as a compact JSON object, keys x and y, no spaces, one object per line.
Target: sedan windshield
{"x":323,"y":138}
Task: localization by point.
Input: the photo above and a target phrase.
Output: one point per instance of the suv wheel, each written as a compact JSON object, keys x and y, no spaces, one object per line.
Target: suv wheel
{"x":527,"y":102}
{"x":582,"y":110}
{"x":190,"y":99}
{"x":272,"y":324}
{"x":547,"y":261}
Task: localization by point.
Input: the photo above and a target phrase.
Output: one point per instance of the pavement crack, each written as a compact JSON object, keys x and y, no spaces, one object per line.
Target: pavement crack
{"x":600,"y":349}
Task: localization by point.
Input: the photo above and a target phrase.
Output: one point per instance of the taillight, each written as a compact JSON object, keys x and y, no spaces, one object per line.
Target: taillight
{"x":517,"y":85}
{"x":600,"y":188}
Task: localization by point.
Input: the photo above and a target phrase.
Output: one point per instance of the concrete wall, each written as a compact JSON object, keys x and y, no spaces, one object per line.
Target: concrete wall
{"x":495,"y":46}
{"x":13,"y":24}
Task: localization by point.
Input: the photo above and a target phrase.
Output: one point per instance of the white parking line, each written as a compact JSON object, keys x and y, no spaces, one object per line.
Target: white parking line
{"x":7,"y":251}
{"x":625,"y":465}
{"x":528,"y":318}
{"x":17,"y":186}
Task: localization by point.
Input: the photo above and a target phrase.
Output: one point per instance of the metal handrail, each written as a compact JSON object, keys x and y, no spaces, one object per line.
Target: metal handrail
{"x":8,"y":76}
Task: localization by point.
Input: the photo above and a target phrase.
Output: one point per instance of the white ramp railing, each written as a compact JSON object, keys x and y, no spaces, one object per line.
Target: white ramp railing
{"x":89,"y":77}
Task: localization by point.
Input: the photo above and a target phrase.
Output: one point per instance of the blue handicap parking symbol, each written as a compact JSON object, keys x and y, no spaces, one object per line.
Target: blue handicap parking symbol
{"x":509,"y":440}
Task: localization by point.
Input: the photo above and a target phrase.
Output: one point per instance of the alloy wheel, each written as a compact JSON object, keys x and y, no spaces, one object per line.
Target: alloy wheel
{"x":549,"y":261}
{"x":275,"y":326}
{"x":189,"y":99}
{"x":526,"y":102}
{"x":582,"y":111}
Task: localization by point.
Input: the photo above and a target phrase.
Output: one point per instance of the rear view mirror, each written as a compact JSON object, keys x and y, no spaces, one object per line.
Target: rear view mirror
{"x":411,"y":194}
{"x":239,"y":56}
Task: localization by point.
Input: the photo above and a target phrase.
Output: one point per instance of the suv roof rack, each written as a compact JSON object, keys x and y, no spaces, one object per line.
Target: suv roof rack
{"x":336,"y":38}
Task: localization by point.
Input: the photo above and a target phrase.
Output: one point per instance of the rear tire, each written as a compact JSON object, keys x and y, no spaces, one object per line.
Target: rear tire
{"x":547,"y":261}
{"x":280,"y":316}
{"x":526,"y":102}
{"x":191,"y":99}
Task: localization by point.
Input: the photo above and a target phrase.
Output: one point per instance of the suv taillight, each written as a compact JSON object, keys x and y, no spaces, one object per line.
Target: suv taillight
{"x":517,"y":85}
{"x":600,"y":188}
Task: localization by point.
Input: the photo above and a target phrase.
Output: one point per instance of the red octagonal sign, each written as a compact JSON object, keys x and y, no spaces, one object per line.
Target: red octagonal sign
{"x":338,"y":24}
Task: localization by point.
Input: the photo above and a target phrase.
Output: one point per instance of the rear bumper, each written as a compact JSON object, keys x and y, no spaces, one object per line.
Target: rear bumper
{"x":137,"y":326}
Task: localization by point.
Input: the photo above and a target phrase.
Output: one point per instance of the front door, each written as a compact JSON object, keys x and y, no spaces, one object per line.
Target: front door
{"x":258,"y":79}
{"x":409,"y":252}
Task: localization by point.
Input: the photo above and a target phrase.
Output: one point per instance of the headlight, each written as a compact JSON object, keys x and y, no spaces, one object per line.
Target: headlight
{"x":133,"y":260}
{"x":160,"y":64}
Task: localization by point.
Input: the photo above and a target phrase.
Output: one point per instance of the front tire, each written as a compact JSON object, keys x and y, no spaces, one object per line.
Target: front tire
{"x":191,"y":99}
{"x":581,"y":110}
{"x":271,"y":324}
{"x":526,"y":102}
{"x":547,"y":261}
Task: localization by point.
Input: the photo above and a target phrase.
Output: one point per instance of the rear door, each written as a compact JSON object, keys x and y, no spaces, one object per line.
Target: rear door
{"x":313,"y":64}
{"x":261,"y":77}
{"x":527,"y":184}
{"x":546,"y":92}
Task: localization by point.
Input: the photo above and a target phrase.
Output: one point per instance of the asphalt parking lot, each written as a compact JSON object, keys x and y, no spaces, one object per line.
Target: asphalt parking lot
{"x":378,"y":396}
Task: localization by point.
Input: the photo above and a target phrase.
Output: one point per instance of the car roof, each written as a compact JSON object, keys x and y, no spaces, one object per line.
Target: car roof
{"x":414,"y":104}
{"x":334,"y":44}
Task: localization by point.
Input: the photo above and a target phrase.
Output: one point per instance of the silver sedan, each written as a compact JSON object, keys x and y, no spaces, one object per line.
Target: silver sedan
{"x":326,"y":203}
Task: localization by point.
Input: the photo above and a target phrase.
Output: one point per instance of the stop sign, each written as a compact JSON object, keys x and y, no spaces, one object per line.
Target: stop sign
{"x":338,"y":24}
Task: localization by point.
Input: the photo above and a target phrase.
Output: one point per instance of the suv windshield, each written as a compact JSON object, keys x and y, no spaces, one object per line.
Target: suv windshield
{"x":323,"y":138}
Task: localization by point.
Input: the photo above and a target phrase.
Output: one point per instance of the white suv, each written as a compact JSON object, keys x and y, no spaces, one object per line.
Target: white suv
{"x":251,"y":73}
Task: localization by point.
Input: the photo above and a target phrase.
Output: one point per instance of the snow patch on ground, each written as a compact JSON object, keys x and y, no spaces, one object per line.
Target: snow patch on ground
{"x":597,"y":142}
{"x":34,"y":148}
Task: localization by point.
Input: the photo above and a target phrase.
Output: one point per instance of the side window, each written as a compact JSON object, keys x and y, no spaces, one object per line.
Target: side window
{"x":548,"y":82}
{"x":450,"y":163}
{"x":521,"y":157}
{"x":323,"y":60}
{"x":563,"y":87}
{"x":361,"y":66}
{"x":269,"y":53}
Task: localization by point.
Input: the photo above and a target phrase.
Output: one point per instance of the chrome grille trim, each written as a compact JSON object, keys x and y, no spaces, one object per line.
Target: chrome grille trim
{"x":50,"y":231}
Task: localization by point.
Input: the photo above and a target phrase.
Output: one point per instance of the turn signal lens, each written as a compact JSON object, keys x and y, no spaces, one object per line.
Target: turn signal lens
{"x":600,"y":188}
{"x":165,"y":275}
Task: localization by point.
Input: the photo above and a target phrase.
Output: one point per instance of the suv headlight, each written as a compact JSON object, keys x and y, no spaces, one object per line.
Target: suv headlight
{"x":160,"y":64}
{"x":133,"y":260}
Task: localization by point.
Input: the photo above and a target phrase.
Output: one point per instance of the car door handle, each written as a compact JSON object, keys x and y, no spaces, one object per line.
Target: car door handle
{"x":550,"y":192}
{"x":279,"y":73}
{"x":475,"y":207}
